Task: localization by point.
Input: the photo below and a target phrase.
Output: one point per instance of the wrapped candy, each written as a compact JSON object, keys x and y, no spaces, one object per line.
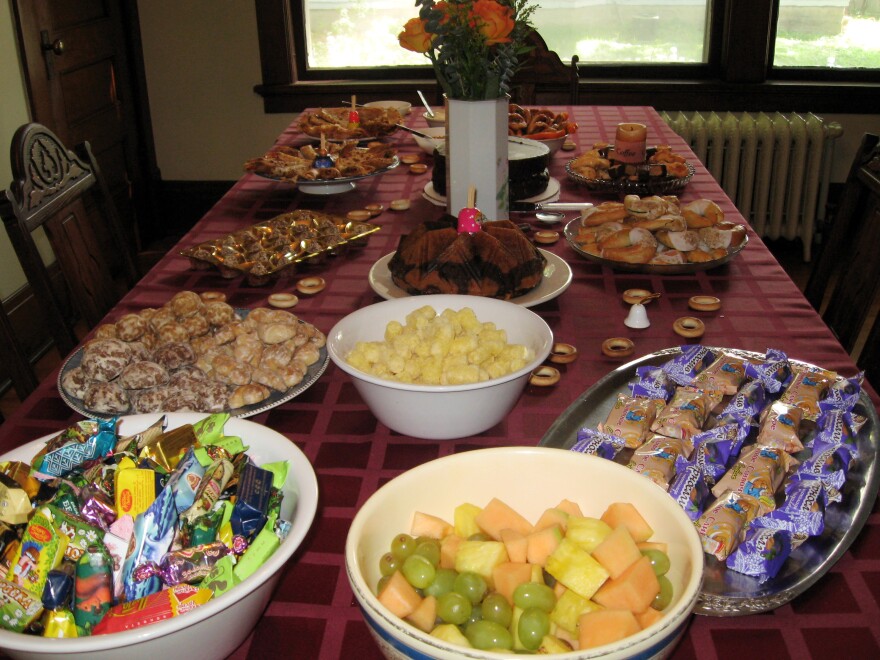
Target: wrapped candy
{"x":762,"y":552}
{"x":189,"y":566}
{"x":630,"y":418}
{"x":75,"y":445}
{"x":656,"y":458}
{"x":652,"y":383}
{"x":58,"y":620}
{"x":94,"y":589}
{"x":757,"y":475}
{"x":153,"y":532}
{"x":722,"y":524}
{"x":165,"y":604}
{"x":684,"y":367}
{"x":41,"y":549}
{"x":604,"y":445}
{"x":689,"y":487}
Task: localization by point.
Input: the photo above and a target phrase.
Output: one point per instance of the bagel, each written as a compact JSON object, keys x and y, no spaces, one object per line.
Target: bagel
{"x":617,"y":347}
{"x":633,"y":296}
{"x":602,"y":213}
{"x":722,"y":235}
{"x":563,"y":353}
{"x":283,"y":300}
{"x":683,"y":241}
{"x":668,"y":258}
{"x":634,"y":246}
{"x":645,"y":208}
{"x":702,"y":213}
{"x":310,"y":285}
{"x":704,"y":303}
{"x":689,"y":327}
{"x":702,"y":255}
{"x":669,"y":221}
{"x":544,"y":376}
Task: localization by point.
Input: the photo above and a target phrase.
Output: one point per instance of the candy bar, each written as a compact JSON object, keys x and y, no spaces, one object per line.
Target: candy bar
{"x":689,"y":487}
{"x":720,"y":446}
{"x":746,"y":404}
{"x":656,"y":458}
{"x":757,"y":474}
{"x":74,"y":446}
{"x":774,"y":372}
{"x":80,"y":534}
{"x":652,"y":383}
{"x":604,"y":445}
{"x":725,"y":375}
{"x":171,"y":602}
{"x":169,"y":448}
{"x":630,"y":418}
{"x":685,"y":414}
{"x":762,"y":552}
{"x":94,"y":589}
{"x":153,"y":532}
{"x":684,"y":367}
{"x":803,"y":511}
{"x":807,"y":386}
{"x":723,"y":523}
{"x":19,"y":608}
{"x":252,"y":502}
{"x":185,"y":480}
{"x":41,"y":550}
{"x":781,"y":427}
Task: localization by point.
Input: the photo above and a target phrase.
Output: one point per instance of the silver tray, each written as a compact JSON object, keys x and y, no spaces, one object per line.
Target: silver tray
{"x":627,"y":187}
{"x":330,"y":186}
{"x":724,"y":592}
{"x":571,"y":230}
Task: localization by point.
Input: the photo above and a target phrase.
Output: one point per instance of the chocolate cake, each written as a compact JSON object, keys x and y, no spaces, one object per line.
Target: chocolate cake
{"x":496,"y":262}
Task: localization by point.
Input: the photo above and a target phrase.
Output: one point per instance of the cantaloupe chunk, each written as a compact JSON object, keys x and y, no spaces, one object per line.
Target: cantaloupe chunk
{"x":571,"y":508}
{"x":568,"y":609}
{"x":425,"y":615}
{"x":509,"y":575}
{"x":451,"y":633}
{"x":617,"y":552}
{"x":624,"y":513}
{"x":648,"y":617}
{"x":654,"y":545}
{"x":542,"y":543}
{"x":480,"y":557}
{"x":605,"y":627}
{"x":576,"y":568}
{"x":552,"y":517}
{"x":517,"y":544}
{"x":497,"y":515}
{"x":430,"y":526}
{"x":587,"y":532}
{"x":399,"y":596}
{"x":634,"y":590}
{"x":448,"y":550}
{"x":463,"y":520}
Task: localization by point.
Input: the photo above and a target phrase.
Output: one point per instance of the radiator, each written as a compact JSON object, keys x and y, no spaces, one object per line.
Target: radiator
{"x":775,"y":168}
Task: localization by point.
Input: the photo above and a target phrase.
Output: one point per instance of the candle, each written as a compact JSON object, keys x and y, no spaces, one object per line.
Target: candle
{"x":629,"y":145}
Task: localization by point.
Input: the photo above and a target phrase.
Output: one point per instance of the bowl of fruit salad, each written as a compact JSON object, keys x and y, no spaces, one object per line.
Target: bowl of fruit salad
{"x":503,"y":551}
{"x":441,"y":366}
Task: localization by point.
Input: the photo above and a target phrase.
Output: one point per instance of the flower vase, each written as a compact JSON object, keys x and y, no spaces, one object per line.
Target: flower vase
{"x":476,"y":155}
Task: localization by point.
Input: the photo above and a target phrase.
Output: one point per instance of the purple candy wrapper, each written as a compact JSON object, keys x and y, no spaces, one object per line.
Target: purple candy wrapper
{"x":829,"y":464}
{"x":746,"y":404}
{"x":837,"y":427}
{"x":774,"y":372}
{"x":652,"y":383}
{"x":693,"y":359}
{"x":762,"y":552}
{"x":803,"y":511}
{"x":604,"y":445}
{"x":689,"y":487}
{"x":720,"y":446}
{"x":189,"y":566}
{"x":96,"y":507}
{"x":154,"y":530}
{"x":843,"y":393}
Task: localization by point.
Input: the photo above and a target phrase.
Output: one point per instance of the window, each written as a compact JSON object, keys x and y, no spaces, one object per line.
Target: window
{"x":672,"y":54}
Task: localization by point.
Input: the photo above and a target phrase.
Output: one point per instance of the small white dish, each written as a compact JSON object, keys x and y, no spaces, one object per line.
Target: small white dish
{"x":438,"y":138}
{"x":403,"y":107}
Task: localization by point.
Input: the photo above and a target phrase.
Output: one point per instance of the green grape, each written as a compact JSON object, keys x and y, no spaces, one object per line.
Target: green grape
{"x":479,"y":536}
{"x":659,"y":560}
{"x":429,"y":549}
{"x":454,"y":608}
{"x":489,"y":635}
{"x":471,"y":586}
{"x":418,"y":571}
{"x":382,"y":582}
{"x":533,"y":624}
{"x":534,"y":594}
{"x":388,"y":563}
{"x":402,"y":546}
{"x":662,"y":599}
{"x":476,"y":615}
{"x":444,"y":579}
{"x":496,"y":608}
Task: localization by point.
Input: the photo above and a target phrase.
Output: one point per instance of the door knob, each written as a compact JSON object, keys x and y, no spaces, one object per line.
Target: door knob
{"x":56,"y":46}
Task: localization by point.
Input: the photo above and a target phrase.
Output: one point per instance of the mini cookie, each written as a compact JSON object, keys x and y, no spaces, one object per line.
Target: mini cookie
{"x":399,"y":205}
{"x":546,"y":237}
{"x":563,"y":353}
{"x":569,"y":145}
{"x":185,"y":303}
{"x":375,"y":209}
{"x":689,"y":327}
{"x":704,"y":303}
{"x":75,"y":382}
{"x":213,"y":296}
{"x":617,"y":347}
{"x":633,"y":296}
{"x":358,"y":215}
{"x":174,"y":355}
{"x":418,"y":168}
{"x":283,"y":300}
{"x":544,"y":376}
{"x":410,"y":159}
{"x":309,"y":286}
{"x":106,"y":398}
{"x":142,"y":375}
{"x":104,"y":359}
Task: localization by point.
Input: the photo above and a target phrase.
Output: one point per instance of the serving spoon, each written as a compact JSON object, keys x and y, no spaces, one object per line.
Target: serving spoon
{"x":425,"y":103}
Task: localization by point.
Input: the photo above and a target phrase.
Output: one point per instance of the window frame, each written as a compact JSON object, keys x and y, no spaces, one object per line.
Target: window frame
{"x":738,"y":76}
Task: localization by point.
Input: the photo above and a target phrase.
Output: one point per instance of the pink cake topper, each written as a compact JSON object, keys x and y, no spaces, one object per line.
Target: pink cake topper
{"x":469,"y":218}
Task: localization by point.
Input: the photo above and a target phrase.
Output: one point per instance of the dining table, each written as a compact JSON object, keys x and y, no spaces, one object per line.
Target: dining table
{"x":313,"y":613}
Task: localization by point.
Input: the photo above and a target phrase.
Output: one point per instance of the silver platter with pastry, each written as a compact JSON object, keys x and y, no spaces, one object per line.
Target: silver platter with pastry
{"x":656,"y":234}
{"x":663,"y":172}
{"x":333,"y":123}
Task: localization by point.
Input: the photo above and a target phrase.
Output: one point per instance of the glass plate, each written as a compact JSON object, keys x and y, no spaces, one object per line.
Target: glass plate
{"x":627,"y":187}
{"x":571,"y":230}
{"x":727,"y":593}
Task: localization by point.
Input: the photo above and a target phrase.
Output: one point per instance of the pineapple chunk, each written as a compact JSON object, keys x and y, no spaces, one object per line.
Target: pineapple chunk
{"x":569,"y":606}
{"x":480,"y":557}
{"x":463,"y":520}
{"x":587,"y":532}
{"x":576,"y":569}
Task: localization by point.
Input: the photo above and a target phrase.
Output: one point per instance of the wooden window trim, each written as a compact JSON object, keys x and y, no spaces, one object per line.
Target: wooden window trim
{"x":738,"y":76}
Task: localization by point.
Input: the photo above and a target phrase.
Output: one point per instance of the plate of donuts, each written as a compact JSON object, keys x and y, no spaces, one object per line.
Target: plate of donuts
{"x":656,"y":235}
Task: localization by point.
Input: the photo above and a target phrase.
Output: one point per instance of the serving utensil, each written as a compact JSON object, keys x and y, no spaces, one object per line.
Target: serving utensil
{"x":425,"y":103}
{"x":419,"y":133}
{"x":532,"y":207}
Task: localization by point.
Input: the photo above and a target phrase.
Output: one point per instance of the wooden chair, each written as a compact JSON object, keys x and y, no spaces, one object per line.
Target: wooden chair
{"x":843,"y":285}
{"x":16,"y":362}
{"x":543,"y":78}
{"x":63,"y":192}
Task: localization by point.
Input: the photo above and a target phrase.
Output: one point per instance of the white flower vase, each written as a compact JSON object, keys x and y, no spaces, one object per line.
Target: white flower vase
{"x":476,"y":155}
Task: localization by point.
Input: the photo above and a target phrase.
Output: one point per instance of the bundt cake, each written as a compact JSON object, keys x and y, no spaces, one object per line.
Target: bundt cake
{"x":496,"y":262}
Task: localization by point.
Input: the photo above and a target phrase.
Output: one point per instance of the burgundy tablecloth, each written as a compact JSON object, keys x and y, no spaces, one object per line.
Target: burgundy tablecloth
{"x":312,"y":614}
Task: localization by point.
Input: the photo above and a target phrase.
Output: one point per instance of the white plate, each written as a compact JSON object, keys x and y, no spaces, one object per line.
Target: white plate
{"x":551,"y":194}
{"x":403,"y":107}
{"x":557,"y":277}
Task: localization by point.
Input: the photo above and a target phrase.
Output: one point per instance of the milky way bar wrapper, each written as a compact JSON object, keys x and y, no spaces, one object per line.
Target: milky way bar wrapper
{"x":74,"y":446}
{"x":252,"y":501}
{"x":165,"y":604}
{"x":18,"y":608}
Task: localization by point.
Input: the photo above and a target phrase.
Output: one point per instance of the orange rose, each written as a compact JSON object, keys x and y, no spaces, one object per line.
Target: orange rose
{"x":495,"y":21}
{"x":414,"y":37}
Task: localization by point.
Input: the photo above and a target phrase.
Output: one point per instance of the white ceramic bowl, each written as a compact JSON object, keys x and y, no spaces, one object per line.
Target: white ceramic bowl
{"x":437,"y":139}
{"x":218,"y":627}
{"x":439,"y":118}
{"x":554,"y":145}
{"x":529,"y":479}
{"x":403,"y":107}
{"x":440,"y":412}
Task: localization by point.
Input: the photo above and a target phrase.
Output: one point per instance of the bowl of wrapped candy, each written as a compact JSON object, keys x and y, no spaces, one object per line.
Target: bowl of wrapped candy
{"x":94,"y":516}
{"x":440,"y":366}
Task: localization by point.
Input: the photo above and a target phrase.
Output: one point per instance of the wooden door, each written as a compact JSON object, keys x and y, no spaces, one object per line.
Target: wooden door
{"x":77,"y":64}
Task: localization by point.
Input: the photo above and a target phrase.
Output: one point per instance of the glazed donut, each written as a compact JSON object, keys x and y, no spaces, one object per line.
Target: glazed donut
{"x":616,"y":347}
{"x":310,"y":285}
{"x":283,"y":300}
{"x":689,"y":327}
{"x":546,"y":237}
{"x":722,"y":235}
{"x":704,"y":303}
{"x":602,"y":213}
{"x":544,"y":376}
{"x":563,"y":353}
{"x":702,"y":213}
{"x":683,"y":241}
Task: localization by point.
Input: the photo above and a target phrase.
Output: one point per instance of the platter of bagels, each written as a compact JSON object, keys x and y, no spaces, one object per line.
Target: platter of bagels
{"x":656,"y":234}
